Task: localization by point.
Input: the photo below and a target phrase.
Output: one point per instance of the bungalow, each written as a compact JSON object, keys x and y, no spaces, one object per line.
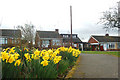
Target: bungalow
{"x":67,"y":40}
{"x":104,"y":43}
{"x":48,"y":39}
{"x":10,"y":37}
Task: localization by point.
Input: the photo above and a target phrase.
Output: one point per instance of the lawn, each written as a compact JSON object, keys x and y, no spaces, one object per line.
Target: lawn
{"x":116,"y":53}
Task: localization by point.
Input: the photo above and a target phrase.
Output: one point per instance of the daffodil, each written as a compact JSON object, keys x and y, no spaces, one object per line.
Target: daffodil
{"x":46,"y":57}
{"x":66,"y":49}
{"x":27,"y":56}
{"x":58,"y":49}
{"x":62,"y":48}
{"x":32,"y":56}
{"x":17,"y":62}
{"x":57,"y":52}
{"x":4,"y":55}
{"x":16,"y":55}
{"x":54,"y":54}
{"x":12,"y":50}
{"x":7,"y":49}
{"x":37,"y":52}
{"x":57,"y":59}
{"x":50,"y":52}
{"x":42,"y":53}
{"x":73,"y":53}
{"x":11,"y":59}
{"x":36,"y":57}
{"x":45,"y":62}
{"x":70,"y":49}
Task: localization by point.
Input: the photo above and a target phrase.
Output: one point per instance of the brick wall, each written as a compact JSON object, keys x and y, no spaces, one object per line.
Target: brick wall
{"x":92,"y":40}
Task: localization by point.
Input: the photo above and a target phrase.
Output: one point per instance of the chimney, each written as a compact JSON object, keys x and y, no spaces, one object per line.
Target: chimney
{"x":106,"y":34}
{"x":57,"y":30}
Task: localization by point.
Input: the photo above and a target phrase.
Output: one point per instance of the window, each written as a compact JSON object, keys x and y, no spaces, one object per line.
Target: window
{"x":45,"y":43}
{"x":74,"y":36}
{"x":2,"y":41}
{"x":119,"y":45}
{"x":75,"y":45}
{"x":5,"y":40}
{"x":65,"y":36}
{"x":111,"y":45}
{"x":56,"y":42}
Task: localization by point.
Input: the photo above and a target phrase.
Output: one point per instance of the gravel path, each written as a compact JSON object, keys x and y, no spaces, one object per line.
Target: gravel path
{"x":97,"y":66}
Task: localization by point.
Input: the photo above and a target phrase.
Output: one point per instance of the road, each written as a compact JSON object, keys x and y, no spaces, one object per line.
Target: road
{"x":97,"y":66}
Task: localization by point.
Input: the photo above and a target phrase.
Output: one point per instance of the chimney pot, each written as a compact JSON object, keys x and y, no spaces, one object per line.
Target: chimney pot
{"x":57,"y":30}
{"x":106,"y":34}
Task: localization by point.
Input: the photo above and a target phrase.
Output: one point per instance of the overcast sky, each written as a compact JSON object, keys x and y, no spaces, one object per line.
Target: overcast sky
{"x":55,"y":14}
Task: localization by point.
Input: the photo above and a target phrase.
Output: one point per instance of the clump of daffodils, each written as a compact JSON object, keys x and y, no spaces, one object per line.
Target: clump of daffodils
{"x":10,"y":55}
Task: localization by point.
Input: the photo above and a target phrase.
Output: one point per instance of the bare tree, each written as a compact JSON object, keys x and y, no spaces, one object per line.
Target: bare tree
{"x":28,"y":32}
{"x":111,"y":18}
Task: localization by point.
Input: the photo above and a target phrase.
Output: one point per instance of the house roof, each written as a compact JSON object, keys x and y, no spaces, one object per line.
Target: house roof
{"x":107,"y":38}
{"x":49,"y":34}
{"x":10,"y":33}
{"x":75,"y":40}
{"x":68,"y":34}
{"x":68,"y":38}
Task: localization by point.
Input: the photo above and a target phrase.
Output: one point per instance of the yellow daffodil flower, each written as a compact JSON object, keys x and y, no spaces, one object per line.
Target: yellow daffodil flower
{"x":36,"y":57}
{"x":50,"y":51}
{"x":11,"y":59}
{"x":37,"y":52}
{"x":4,"y":55}
{"x":46,"y":57}
{"x":12,"y":50}
{"x":70,"y":49}
{"x":73,"y":53}
{"x":45,"y":62}
{"x":27,"y":56}
{"x":42,"y":53}
{"x":7,"y":49}
{"x":62,"y":48}
{"x":16,"y":55}
{"x":66,"y":49}
{"x":32,"y":56}
{"x":17,"y":62}
{"x":57,"y":59}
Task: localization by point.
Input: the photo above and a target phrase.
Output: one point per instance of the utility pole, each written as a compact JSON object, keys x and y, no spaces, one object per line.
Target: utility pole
{"x":71,"y":23}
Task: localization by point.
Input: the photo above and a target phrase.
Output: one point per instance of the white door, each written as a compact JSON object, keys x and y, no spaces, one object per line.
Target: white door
{"x":105,"y":47}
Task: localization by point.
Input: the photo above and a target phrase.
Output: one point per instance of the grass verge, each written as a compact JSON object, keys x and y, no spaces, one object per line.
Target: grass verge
{"x":115,"y":53}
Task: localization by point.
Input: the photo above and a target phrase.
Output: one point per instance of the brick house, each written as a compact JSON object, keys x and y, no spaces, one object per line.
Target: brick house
{"x":48,"y":39}
{"x":76,"y":42}
{"x":104,"y":43}
{"x":10,"y":37}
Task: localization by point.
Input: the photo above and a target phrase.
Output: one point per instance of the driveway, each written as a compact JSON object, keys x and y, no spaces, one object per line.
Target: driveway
{"x":97,"y":66}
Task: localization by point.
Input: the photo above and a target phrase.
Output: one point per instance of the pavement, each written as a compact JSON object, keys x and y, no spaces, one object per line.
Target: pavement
{"x":97,"y":66}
